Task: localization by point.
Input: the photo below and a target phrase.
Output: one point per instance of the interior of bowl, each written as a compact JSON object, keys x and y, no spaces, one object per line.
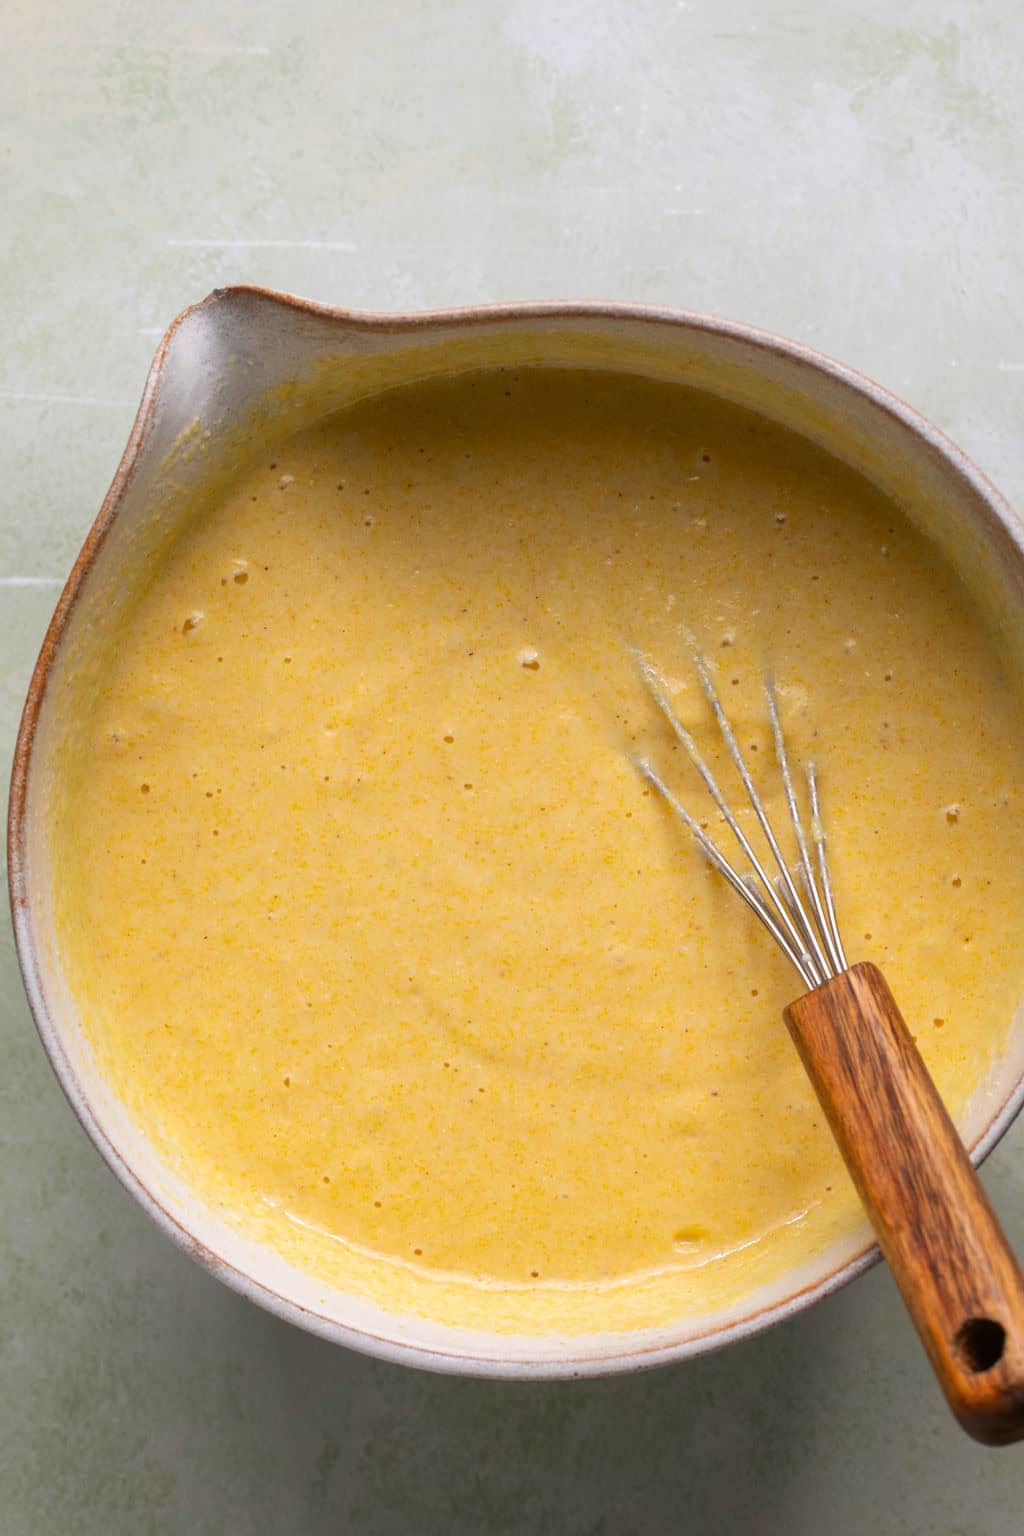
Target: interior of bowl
{"x":246,"y":368}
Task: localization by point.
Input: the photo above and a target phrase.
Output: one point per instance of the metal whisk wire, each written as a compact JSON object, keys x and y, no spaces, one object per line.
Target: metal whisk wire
{"x":804,"y":927}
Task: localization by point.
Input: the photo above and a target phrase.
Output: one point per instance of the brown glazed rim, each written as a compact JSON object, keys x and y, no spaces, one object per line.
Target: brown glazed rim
{"x":1001,"y":523}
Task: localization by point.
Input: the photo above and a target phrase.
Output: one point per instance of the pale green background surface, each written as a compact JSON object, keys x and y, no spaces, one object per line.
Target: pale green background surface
{"x":847,"y":173}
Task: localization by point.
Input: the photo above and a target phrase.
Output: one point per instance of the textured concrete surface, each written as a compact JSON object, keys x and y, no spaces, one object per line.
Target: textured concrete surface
{"x":851,"y":174}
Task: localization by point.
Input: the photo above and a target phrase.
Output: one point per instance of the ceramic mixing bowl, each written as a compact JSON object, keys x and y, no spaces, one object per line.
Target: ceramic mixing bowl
{"x":246,"y":367}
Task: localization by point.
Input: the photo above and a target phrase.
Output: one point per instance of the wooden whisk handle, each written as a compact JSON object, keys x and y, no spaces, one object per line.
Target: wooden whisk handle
{"x":955,"y":1269}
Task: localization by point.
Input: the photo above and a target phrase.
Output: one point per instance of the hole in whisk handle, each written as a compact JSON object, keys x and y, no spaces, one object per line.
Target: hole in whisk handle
{"x":980,"y":1343}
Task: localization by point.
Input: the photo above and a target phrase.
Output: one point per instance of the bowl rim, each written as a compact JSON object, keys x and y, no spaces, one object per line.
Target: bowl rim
{"x":620,"y":1357}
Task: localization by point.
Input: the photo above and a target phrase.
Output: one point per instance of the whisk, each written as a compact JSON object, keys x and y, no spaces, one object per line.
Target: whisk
{"x":954,"y":1267}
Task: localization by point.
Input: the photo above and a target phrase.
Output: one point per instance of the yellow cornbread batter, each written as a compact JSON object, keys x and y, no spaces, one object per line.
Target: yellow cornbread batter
{"x":382,"y":938}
